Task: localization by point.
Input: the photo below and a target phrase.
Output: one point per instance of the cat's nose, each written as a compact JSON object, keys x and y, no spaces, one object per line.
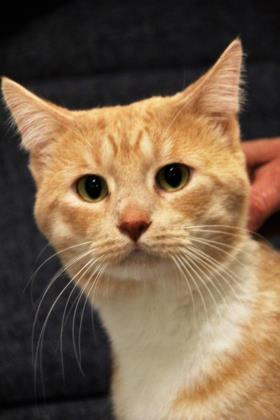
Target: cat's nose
{"x":134,"y":223}
{"x":134,"y":229}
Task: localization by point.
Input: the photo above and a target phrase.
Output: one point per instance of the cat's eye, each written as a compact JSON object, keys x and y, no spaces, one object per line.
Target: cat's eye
{"x":173,"y":177}
{"x":92,"y":188}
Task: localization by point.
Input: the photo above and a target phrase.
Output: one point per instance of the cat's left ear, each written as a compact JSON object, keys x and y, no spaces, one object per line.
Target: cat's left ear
{"x":217,"y":93}
{"x":37,"y":120}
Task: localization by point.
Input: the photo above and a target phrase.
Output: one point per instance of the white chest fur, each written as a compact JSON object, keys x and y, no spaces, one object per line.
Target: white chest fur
{"x":162,"y":344}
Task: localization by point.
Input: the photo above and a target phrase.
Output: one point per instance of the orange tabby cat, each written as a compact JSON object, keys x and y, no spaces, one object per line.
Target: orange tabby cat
{"x":148,"y":205}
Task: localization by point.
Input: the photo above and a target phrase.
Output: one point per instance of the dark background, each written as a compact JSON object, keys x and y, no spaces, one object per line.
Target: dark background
{"x":83,"y":54}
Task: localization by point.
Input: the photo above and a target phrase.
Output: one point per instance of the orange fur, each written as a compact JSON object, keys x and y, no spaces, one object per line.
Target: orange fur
{"x":252,"y":377}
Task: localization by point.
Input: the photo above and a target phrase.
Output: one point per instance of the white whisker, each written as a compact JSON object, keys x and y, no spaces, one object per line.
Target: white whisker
{"x":55,"y":277}
{"x":210,"y":280}
{"x":216,"y":245}
{"x":37,"y":356}
{"x":212,"y":264}
{"x":100,"y":272}
{"x":83,"y":272}
{"x":74,"y":317}
{"x":178,"y":265}
{"x":185,"y":264}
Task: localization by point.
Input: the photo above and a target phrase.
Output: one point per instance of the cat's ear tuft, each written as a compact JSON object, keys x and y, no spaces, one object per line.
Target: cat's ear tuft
{"x":37,"y":120}
{"x":218,"y":92}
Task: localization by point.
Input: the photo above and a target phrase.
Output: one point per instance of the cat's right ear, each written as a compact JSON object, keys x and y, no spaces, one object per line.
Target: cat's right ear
{"x":217,"y":94}
{"x":37,"y":120}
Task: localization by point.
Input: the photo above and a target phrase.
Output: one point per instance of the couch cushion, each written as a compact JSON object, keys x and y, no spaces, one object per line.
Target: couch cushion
{"x":84,"y":37}
{"x":83,"y":409}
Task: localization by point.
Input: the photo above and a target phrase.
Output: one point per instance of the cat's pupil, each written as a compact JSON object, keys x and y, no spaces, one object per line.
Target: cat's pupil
{"x":93,"y":186}
{"x":173,"y":175}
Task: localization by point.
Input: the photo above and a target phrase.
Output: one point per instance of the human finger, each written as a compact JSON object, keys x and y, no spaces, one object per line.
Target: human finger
{"x":264,"y":194}
{"x":260,"y":151}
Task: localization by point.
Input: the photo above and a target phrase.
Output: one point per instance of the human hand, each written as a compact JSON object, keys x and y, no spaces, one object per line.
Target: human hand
{"x":263,"y":164}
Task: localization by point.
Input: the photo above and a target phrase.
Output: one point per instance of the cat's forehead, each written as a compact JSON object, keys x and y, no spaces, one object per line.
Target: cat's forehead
{"x":137,"y":137}
{"x":122,"y":135}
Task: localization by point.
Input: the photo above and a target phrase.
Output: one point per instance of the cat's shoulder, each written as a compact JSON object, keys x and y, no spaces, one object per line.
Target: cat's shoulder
{"x":268,"y":267}
{"x":269,"y":256}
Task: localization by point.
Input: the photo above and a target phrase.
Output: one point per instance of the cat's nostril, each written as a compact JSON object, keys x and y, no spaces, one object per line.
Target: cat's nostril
{"x":134,"y":229}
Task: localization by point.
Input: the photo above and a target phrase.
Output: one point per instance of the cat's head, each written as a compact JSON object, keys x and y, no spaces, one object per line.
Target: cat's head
{"x":159,"y":179}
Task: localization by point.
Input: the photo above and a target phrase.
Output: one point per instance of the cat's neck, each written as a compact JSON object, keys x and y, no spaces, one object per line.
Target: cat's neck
{"x":161,"y":328}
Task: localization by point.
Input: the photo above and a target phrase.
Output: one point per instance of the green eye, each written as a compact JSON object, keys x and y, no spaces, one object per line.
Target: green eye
{"x":92,"y":188}
{"x":172,"y":177}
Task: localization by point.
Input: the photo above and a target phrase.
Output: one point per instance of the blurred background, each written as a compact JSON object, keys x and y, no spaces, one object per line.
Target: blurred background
{"x":83,"y":54}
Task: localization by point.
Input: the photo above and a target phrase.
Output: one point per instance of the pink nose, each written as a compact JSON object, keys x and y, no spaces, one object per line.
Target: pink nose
{"x":134,"y":228}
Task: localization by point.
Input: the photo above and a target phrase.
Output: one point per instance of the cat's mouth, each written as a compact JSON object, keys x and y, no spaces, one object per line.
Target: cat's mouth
{"x":138,"y":254}
{"x":135,"y":253}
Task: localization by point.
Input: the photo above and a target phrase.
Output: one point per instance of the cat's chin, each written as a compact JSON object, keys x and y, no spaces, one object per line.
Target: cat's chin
{"x":138,"y":256}
{"x":137,"y":264}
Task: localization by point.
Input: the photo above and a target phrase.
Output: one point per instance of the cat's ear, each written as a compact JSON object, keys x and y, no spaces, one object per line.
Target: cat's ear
{"x":218,"y":93}
{"x":37,"y":120}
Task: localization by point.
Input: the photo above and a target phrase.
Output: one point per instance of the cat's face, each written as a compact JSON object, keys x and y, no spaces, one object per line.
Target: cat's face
{"x":142,"y":183}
